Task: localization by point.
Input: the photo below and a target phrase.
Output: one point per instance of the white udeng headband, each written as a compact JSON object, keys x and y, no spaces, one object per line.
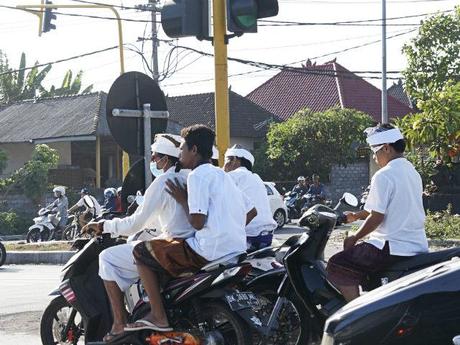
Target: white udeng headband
{"x":386,"y":137}
{"x":167,"y":144}
{"x":241,"y":153}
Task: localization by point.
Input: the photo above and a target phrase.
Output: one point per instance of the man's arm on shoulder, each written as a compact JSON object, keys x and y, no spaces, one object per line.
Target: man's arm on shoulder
{"x":251,"y":215}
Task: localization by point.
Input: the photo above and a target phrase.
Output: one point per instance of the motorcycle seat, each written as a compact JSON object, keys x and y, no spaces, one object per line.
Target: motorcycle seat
{"x":227,"y":260}
{"x":422,"y":260}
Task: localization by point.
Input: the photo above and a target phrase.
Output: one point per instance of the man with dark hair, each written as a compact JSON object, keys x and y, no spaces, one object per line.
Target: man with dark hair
{"x":317,"y":188}
{"x":215,"y":209}
{"x":393,"y":213}
{"x":238,"y":164}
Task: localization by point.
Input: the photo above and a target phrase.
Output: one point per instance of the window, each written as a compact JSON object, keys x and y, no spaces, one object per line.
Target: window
{"x":269,"y":190}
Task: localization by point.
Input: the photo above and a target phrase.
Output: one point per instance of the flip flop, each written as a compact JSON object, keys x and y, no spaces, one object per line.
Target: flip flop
{"x":145,"y":324}
{"x":113,"y":337}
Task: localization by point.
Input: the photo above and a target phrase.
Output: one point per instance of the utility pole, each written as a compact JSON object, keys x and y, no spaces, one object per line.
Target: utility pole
{"x":221,"y":79}
{"x":384,"y":64}
{"x":153,"y":6}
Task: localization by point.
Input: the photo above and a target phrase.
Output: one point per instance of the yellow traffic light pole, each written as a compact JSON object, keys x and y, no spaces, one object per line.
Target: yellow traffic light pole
{"x":122,"y":66}
{"x":221,"y":79}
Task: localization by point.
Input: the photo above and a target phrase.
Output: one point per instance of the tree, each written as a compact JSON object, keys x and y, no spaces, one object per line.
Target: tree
{"x":17,"y":85}
{"x":311,"y":142}
{"x":436,"y":129}
{"x":433,"y":56}
{"x":32,"y":178}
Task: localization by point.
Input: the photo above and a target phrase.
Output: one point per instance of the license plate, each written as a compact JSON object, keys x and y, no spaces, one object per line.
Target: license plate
{"x":241,"y":300}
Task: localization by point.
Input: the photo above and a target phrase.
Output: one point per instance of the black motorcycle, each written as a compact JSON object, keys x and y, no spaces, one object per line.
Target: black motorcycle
{"x":202,"y":305}
{"x":422,"y":308}
{"x":2,"y":254}
{"x":303,"y":281}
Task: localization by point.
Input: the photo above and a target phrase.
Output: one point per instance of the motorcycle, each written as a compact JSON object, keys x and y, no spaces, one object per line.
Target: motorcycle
{"x":293,"y":201}
{"x":303,"y":285}
{"x":44,"y":227}
{"x":422,"y":308}
{"x":72,"y":231}
{"x":2,"y":253}
{"x":202,"y":306}
{"x":309,"y":200}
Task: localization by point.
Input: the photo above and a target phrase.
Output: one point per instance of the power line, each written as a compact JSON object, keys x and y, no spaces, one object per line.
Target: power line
{"x":353,"y":21}
{"x":60,"y":60}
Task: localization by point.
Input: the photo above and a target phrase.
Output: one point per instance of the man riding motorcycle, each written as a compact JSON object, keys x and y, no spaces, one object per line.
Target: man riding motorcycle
{"x":238,"y":164}
{"x":88,"y":213}
{"x":393,"y":213}
{"x":317,"y":188}
{"x":158,"y":211}
{"x":60,"y":206}
{"x":301,"y":187}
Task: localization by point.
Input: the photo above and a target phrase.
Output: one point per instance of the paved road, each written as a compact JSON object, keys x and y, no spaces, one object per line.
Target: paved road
{"x":24,"y":295}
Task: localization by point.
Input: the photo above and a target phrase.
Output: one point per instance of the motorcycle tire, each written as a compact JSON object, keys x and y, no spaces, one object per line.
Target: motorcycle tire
{"x":45,"y":235}
{"x":295,"y":327}
{"x":33,"y":235}
{"x":2,"y":254}
{"x":53,"y":323}
{"x":69,"y":233}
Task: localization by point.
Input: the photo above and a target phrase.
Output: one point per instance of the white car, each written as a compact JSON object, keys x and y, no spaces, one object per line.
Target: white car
{"x":277,"y":206}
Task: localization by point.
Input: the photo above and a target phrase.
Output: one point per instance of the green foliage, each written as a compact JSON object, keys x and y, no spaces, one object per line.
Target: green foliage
{"x":433,"y":56}
{"x":17,"y":85}
{"x":32,"y":178}
{"x":443,"y":225}
{"x":311,"y":142}
{"x":436,"y":129}
{"x":12,"y":223}
{"x":3,"y":160}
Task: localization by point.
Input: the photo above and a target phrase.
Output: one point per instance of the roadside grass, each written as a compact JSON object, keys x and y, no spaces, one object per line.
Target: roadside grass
{"x":45,"y":247}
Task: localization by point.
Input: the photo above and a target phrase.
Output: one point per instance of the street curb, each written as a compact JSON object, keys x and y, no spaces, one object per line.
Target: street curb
{"x":38,"y":257}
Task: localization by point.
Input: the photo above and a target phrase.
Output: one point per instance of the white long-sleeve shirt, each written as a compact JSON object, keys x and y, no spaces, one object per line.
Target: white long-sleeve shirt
{"x":158,"y":211}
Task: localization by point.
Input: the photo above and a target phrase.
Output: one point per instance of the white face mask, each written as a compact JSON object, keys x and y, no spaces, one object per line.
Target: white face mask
{"x":154,"y":168}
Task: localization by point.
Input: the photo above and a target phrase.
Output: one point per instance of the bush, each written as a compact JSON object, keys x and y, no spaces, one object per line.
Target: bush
{"x":12,"y":223}
{"x":443,"y":224}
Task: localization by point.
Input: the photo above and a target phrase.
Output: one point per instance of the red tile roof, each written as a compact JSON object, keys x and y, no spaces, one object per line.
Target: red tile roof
{"x":319,"y":88}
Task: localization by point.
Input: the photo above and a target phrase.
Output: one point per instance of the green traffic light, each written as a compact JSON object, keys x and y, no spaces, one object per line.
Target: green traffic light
{"x":246,"y":21}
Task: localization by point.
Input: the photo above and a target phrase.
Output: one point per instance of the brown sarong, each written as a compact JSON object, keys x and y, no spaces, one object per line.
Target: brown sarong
{"x":173,"y":255}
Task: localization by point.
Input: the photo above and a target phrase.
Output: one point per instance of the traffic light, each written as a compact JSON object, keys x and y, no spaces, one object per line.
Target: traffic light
{"x":242,"y":15}
{"x":48,"y":17}
{"x":183,"y":18}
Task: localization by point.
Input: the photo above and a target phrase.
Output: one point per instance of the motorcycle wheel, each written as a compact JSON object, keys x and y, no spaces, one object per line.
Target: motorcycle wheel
{"x":69,"y":232}
{"x":2,"y":254}
{"x":45,"y":235}
{"x":34,"y":235}
{"x":58,"y":316}
{"x":294,"y":325}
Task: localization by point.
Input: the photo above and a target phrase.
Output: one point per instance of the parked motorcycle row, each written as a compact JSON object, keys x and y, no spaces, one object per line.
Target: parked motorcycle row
{"x":252,"y":298}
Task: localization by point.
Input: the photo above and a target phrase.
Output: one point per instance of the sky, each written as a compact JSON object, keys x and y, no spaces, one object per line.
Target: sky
{"x":194,"y":73}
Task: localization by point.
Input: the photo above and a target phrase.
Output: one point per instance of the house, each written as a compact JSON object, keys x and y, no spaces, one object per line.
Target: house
{"x":397,"y":91}
{"x":321,"y":87}
{"x":248,"y":121}
{"x":76,"y":126}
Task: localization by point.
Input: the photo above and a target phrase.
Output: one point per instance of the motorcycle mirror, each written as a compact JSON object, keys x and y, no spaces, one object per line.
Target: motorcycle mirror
{"x":88,"y":201}
{"x":350,"y":199}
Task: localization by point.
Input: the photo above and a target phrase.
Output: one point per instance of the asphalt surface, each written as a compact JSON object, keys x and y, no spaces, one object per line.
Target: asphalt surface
{"x":24,"y":293}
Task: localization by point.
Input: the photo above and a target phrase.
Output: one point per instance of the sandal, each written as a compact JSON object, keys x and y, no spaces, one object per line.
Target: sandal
{"x":146,"y":324}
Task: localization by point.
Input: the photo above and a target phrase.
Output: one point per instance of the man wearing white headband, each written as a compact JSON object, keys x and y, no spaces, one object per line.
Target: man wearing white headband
{"x":393,"y":213}
{"x":239,"y":163}
{"x":158,"y":211}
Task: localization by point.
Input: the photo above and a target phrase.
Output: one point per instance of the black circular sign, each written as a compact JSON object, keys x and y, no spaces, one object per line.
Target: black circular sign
{"x":133,"y":182}
{"x":131,"y":91}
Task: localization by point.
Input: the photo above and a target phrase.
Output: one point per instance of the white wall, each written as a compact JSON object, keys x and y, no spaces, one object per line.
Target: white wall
{"x":19,"y":153}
